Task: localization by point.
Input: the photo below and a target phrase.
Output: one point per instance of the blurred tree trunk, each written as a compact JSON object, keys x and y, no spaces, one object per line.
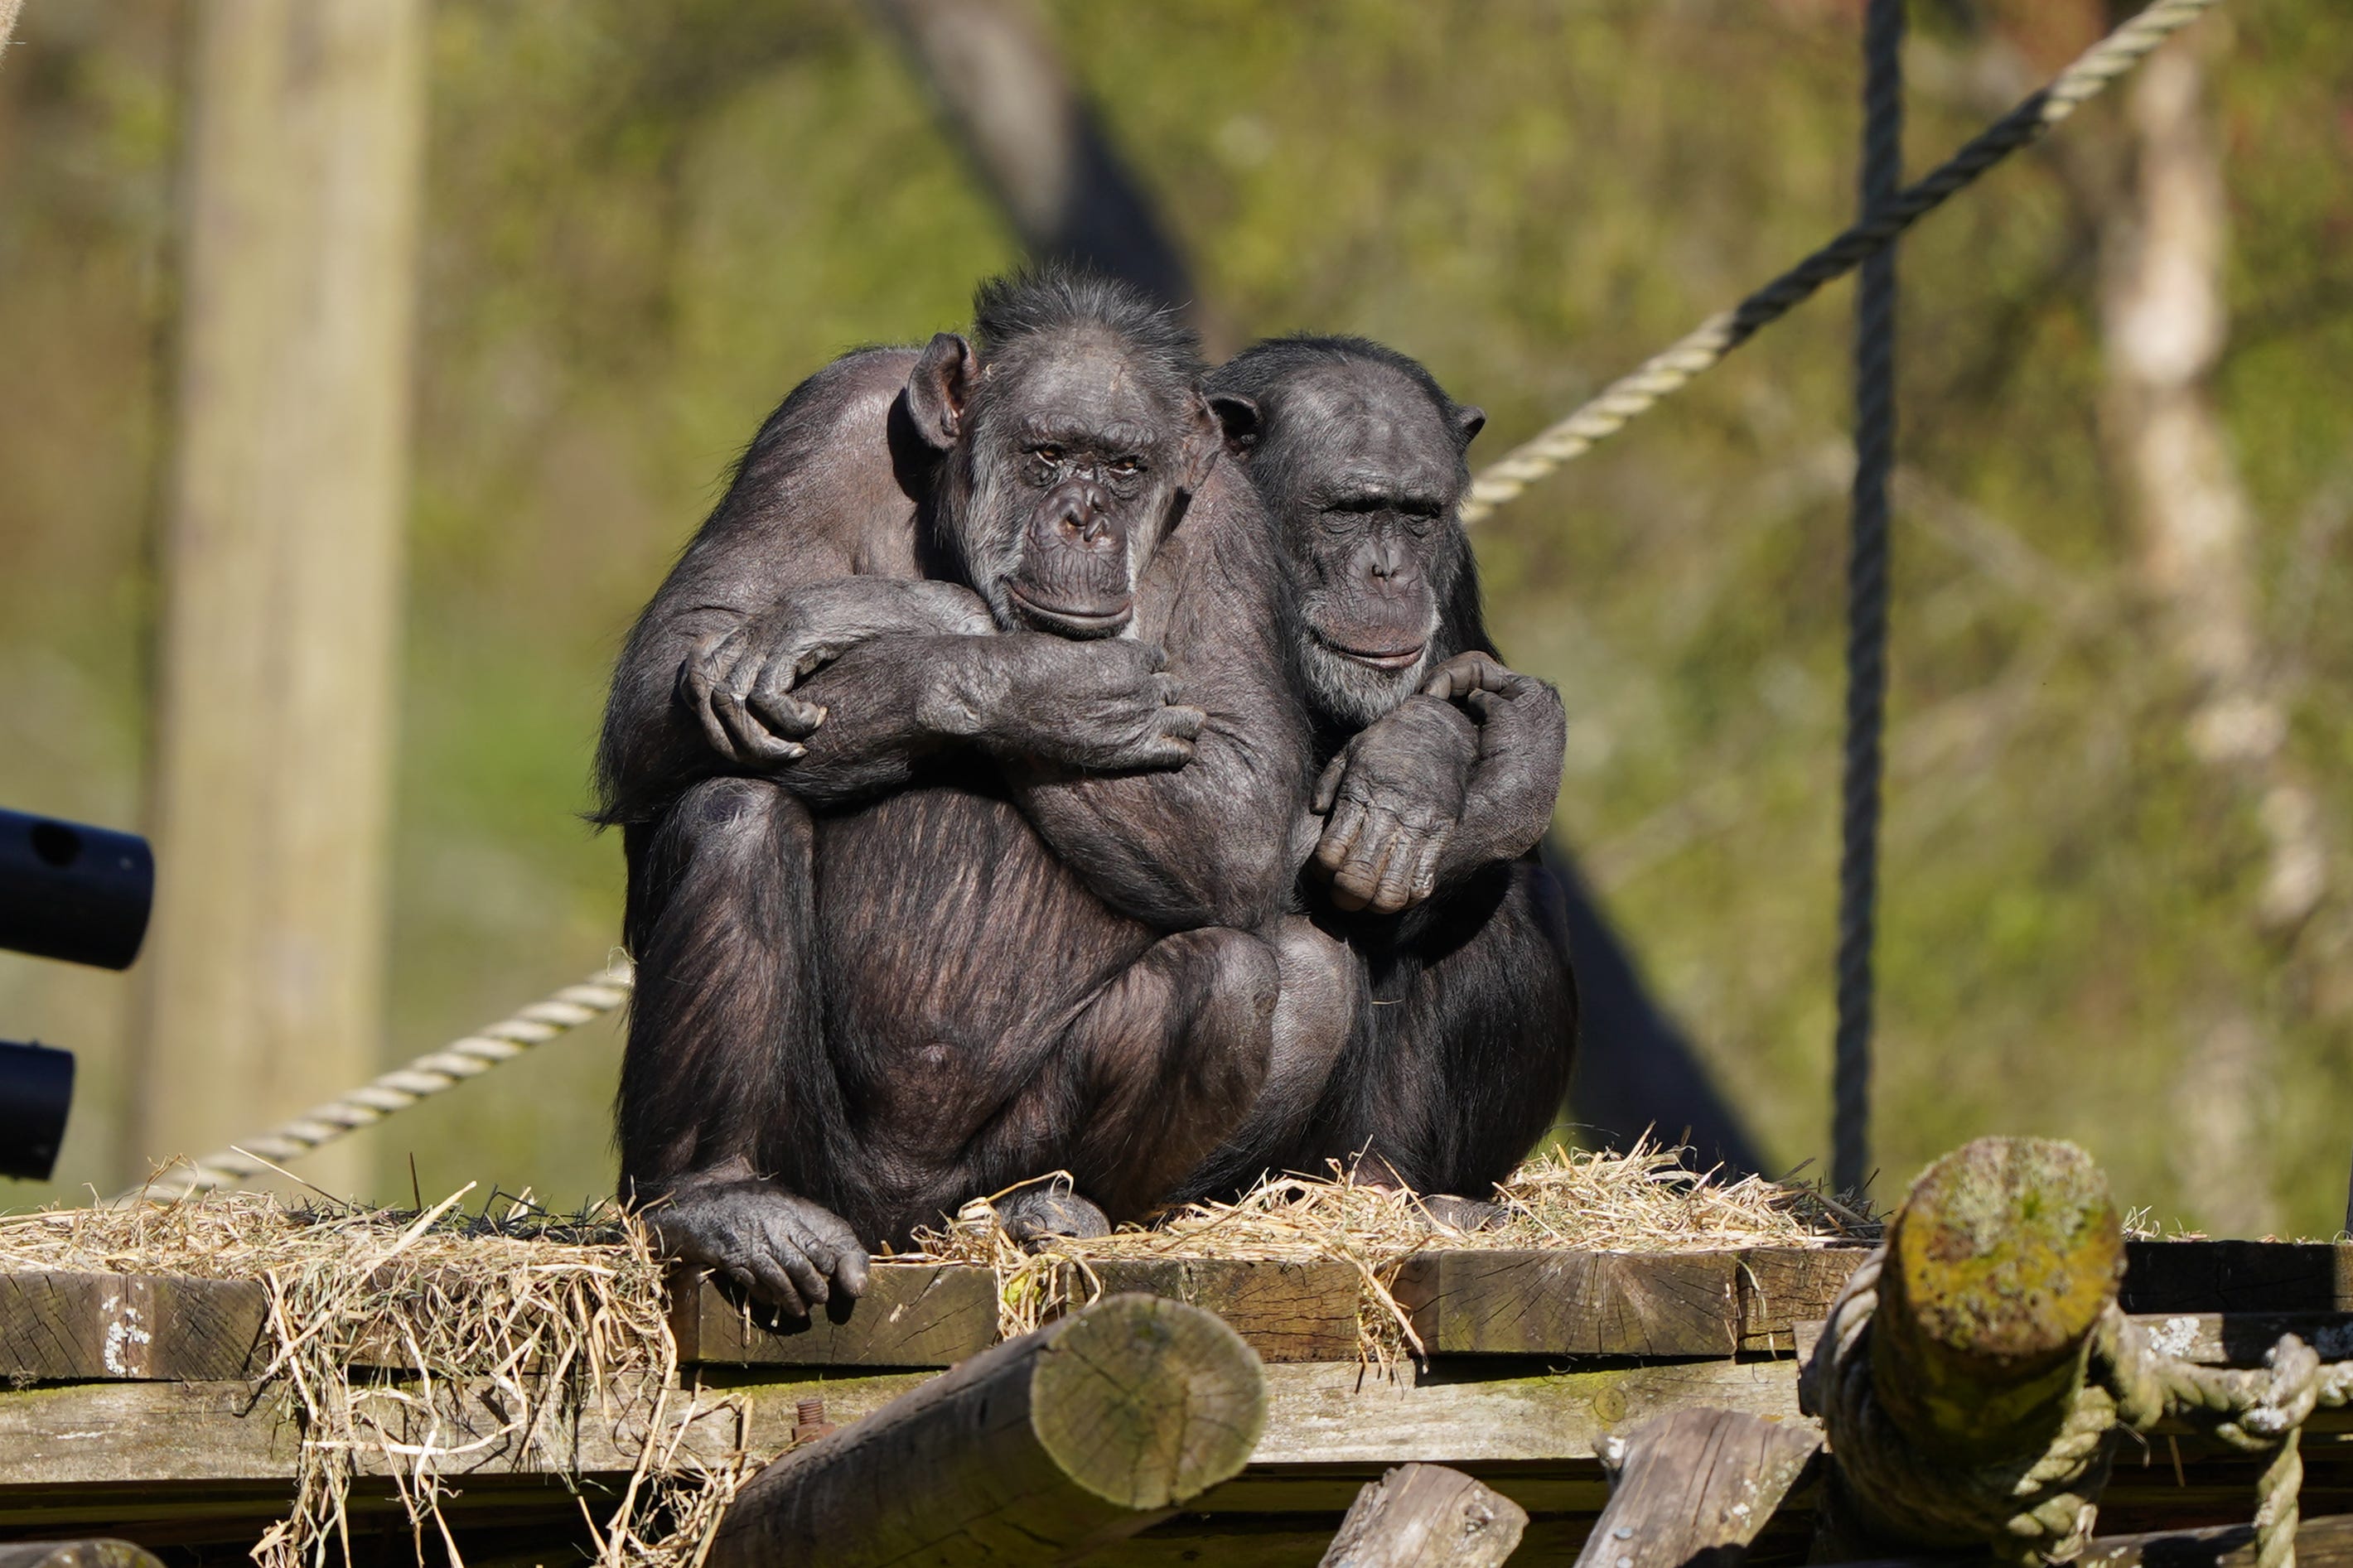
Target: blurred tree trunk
{"x":1004,"y":89}
{"x":280,"y":562}
{"x":2165,"y":246}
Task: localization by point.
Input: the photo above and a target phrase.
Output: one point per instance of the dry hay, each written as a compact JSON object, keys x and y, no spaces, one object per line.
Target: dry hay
{"x":1645,"y":1199}
{"x":372,"y":1313}
{"x":373,"y":1316}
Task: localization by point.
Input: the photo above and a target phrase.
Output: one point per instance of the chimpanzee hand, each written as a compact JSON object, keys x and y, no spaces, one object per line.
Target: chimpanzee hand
{"x":1392,"y":800}
{"x":783,"y":1250}
{"x":1103,"y":706}
{"x":1523,"y":732}
{"x":739,"y":683}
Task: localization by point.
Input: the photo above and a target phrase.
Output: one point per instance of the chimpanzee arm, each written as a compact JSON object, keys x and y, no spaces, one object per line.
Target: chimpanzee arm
{"x":817,"y":498}
{"x":1210,"y":843}
{"x":893,"y":704}
{"x":1522,"y":734}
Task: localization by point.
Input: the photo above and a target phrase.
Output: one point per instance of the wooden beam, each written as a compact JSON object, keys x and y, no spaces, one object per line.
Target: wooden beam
{"x":912,"y":1315}
{"x":2319,"y":1544}
{"x":1694,"y":1487}
{"x":1039,"y":1450}
{"x":1426,"y":1516}
{"x":1573,"y":1303}
{"x":1782,"y":1287}
{"x":2237,"y":1277}
{"x":1284,"y":1312}
{"x":74,"y":1326}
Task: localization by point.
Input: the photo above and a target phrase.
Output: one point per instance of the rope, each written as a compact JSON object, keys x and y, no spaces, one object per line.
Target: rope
{"x":2040,"y":1509}
{"x":1674,"y":367}
{"x":421,"y":1079}
{"x":1866,"y":600}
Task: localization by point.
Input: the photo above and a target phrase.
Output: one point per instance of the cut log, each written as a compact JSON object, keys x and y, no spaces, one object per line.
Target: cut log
{"x":2001,"y":1259}
{"x":75,"y":1554}
{"x":1573,"y":1303}
{"x":926,"y":1315}
{"x":1694,"y":1487}
{"x":1039,"y":1450}
{"x":1286,"y":1311}
{"x":1426,"y":1516}
{"x":1782,"y":1287}
{"x":76,"y":1327}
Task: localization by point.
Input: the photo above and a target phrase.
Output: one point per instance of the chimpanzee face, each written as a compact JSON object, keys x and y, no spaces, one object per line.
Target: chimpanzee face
{"x":1072,"y":456}
{"x":1362,"y":470}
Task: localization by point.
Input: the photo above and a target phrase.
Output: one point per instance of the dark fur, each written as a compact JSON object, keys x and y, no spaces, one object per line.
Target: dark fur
{"x":942,"y":916}
{"x":1461,"y":1050}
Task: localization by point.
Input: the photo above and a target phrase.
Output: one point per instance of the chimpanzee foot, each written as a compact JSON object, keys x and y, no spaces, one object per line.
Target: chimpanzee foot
{"x":1464,"y":1214}
{"x":782,"y":1251}
{"x":1034,"y":1213}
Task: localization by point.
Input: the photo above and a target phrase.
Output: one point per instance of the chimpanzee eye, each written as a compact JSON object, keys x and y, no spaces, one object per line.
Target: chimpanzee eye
{"x":1048,"y":454}
{"x":1124,"y":467}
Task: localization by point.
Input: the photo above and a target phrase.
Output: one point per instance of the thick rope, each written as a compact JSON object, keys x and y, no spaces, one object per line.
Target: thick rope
{"x":1674,"y":368}
{"x":1866,"y":600}
{"x":2040,"y":1508}
{"x":427,"y":1075}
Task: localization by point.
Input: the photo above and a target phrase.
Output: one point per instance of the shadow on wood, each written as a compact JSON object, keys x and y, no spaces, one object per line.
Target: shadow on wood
{"x":1693,"y":1488}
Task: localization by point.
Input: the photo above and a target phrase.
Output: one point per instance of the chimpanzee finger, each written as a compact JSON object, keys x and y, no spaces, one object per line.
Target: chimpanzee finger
{"x":1169,"y":689}
{"x":1327,"y":788}
{"x":1185,"y":723}
{"x":764,"y":1282}
{"x":1465,"y":672}
{"x":1360,"y":876}
{"x":1395,"y":890}
{"x":750,"y":738}
{"x":1425,"y":874}
{"x":1347,"y":821}
{"x":782,"y":1242}
{"x":832,"y":1247}
{"x":772,"y":701}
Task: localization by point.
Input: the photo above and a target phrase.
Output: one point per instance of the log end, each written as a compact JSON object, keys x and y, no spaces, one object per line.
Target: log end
{"x":1097,"y":1403}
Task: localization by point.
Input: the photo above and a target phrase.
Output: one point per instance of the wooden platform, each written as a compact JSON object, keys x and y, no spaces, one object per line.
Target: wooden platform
{"x":142,"y":1420}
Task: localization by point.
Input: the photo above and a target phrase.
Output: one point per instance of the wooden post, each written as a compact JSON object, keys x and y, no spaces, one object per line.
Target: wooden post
{"x":1999,"y":1265}
{"x":1037,"y":1451}
{"x":1426,"y":1516}
{"x":1694,"y":1487}
{"x":271,"y":784}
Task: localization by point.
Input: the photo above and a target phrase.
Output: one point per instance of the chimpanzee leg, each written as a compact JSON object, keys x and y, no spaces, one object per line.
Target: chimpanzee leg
{"x":1461,"y":1061}
{"x":1163,"y":1061}
{"x":722,"y":1061}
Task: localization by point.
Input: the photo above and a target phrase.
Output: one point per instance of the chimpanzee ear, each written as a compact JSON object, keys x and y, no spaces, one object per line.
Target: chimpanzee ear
{"x":938,"y":387}
{"x":1238,"y":417}
{"x":1469,"y":420}
{"x":1203,"y":445}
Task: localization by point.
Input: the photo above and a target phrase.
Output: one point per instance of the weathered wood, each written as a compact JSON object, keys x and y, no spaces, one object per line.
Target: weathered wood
{"x":1694,"y":1487}
{"x":1192,"y":1541}
{"x":1426,"y":1516}
{"x":1782,"y":1287}
{"x":2319,"y":1544}
{"x":77,"y":1326}
{"x":2237,"y":1277}
{"x":75,"y":1554}
{"x":912,"y":1315}
{"x":1286,"y":1311}
{"x":1999,"y":1262}
{"x":1039,"y":1450}
{"x":1573,"y":1303}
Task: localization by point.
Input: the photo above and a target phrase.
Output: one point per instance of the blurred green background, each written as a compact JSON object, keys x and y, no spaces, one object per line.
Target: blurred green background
{"x":643,"y":224}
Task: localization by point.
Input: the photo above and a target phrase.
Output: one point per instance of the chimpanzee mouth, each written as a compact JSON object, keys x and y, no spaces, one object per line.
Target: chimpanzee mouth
{"x":1072,"y":623}
{"x":1402,"y":658}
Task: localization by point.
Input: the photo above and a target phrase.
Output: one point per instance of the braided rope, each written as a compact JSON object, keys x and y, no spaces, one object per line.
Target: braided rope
{"x":1866,"y":601}
{"x":2040,"y":1509}
{"x":1674,"y":367}
{"x":420,"y":1078}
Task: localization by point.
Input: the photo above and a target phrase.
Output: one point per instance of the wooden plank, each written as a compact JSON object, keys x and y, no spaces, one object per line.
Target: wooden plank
{"x":1694,"y":1487}
{"x":1084,"y":1432}
{"x":1192,"y":1541}
{"x":1286,"y":1311}
{"x":63,"y":1326}
{"x":1781,"y":1287}
{"x":1573,"y":1303}
{"x":912,"y":1315}
{"x":1426,"y":1516}
{"x":100,"y":1554}
{"x":2237,"y":1277}
{"x":2241,"y":1339}
{"x":2319,"y":1544}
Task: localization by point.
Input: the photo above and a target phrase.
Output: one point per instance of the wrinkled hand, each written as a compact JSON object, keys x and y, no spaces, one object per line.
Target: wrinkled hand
{"x":1392,"y":801}
{"x":783,"y":1250}
{"x":738,"y":684}
{"x":1106,"y":706}
{"x":1523,"y":732}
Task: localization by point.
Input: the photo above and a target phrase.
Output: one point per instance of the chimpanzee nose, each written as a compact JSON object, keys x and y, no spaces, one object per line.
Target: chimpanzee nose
{"x":1388,"y":560}
{"x":1084,"y":514}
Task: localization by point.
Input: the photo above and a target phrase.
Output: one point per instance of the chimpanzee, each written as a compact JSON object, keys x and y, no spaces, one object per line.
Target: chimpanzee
{"x":1000,"y":887}
{"x":1441,"y":769}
